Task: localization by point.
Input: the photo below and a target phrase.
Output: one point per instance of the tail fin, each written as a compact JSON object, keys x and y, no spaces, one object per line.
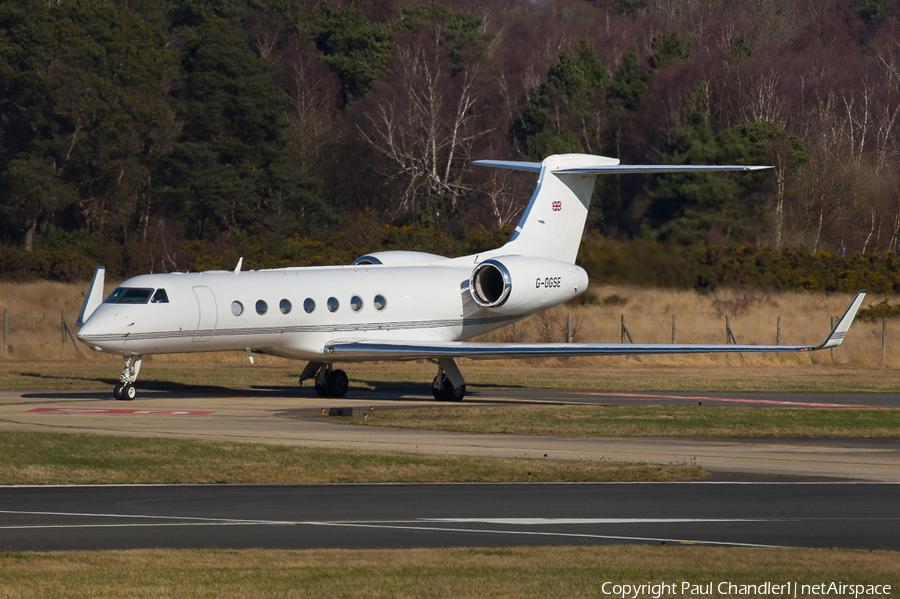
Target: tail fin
{"x":553,"y":222}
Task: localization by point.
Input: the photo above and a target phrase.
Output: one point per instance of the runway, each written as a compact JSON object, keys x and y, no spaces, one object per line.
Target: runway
{"x":279,"y":417}
{"x":841,"y":515}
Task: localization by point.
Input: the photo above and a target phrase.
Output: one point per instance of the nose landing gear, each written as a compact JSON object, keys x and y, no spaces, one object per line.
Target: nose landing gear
{"x":125,"y":389}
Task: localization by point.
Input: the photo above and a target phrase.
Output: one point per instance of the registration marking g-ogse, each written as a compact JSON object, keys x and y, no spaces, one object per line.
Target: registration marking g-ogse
{"x":548,"y":282}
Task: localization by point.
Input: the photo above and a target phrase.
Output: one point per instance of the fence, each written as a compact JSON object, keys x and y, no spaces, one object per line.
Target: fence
{"x":48,"y":334}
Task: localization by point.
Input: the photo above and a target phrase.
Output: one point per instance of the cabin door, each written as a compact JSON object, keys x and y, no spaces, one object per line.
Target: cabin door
{"x":206,"y":323}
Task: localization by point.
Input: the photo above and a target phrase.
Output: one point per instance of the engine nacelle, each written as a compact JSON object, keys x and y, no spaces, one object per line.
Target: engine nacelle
{"x":398,"y":258}
{"x":519,"y":284}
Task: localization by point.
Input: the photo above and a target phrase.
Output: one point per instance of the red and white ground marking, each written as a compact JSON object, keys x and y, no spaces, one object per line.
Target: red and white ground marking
{"x":770,"y":402}
{"x":118,"y":411}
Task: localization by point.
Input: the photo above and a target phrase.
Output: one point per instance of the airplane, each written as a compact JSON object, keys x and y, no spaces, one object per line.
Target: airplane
{"x":390,"y":305}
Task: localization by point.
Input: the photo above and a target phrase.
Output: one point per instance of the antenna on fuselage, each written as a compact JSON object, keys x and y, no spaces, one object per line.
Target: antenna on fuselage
{"x":237,"y":268}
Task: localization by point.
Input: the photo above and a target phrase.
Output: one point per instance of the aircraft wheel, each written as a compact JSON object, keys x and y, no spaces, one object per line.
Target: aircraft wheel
{"x":117,"y":391}
{"x":436,"y":388}
{"x":451,"y":393}
{"x":321,"y":390}
{"x":338,"y":383}
{"x":129,"y":392}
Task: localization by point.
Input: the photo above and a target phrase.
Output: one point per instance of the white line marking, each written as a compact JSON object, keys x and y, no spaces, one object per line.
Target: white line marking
{"x":552,"y":521}
{"x":539,"y":533}
{"x":409,"y":525}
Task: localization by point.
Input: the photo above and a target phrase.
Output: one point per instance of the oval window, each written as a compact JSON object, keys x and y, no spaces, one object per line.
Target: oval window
{"x":309,"y":305}
{"x":380,"y":302}
{"x":237,"y":308}
{"x":333,"y":304}
{"x":261,"y":307}
{"x":285,"y":306}
{"x":356,"y":303}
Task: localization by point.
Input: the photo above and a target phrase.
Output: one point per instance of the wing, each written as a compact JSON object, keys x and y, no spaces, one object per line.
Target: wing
{"x":351,"y":350}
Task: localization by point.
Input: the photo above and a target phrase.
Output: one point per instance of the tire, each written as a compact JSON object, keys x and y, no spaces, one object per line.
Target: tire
{"x":436,"y":388}
{"x":129,"y":392}
{"x":449,"y":393}
{"x":321,"y":390}
{"x":117,"y":392}
{"x":338,"y":383}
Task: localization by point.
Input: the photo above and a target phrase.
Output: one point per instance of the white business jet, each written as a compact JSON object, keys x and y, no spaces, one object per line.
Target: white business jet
{"x":393,"y":305}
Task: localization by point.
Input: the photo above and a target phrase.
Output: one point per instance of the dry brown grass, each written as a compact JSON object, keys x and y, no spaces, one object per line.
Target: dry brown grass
{"x":35,"y":331}
{"x":463,"y":572}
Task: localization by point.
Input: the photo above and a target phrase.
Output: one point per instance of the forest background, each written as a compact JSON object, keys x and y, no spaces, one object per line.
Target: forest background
{"x":161,"y":135}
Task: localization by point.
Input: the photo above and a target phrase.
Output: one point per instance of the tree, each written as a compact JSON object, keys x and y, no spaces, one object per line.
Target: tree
{"x":568,"y":111}
{"x":784,"y":151}
{"x":712,"y":208}
{"x":422,"y":119}
{"x":230,"y":167}
{"x":83,"y":100}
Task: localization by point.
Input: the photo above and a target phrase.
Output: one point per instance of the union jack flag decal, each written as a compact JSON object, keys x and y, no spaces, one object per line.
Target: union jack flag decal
{"x":557,"y":206}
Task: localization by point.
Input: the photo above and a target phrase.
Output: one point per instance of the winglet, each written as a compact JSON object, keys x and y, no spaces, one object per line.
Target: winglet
{"x":837,"y":334}
{"x":94,"y":296}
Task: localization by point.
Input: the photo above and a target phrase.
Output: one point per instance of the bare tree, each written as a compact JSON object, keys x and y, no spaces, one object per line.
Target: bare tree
{"x":423,"y":122}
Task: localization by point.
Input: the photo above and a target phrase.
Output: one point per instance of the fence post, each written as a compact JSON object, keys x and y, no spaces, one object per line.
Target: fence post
{"x":832,"y":349}
{"x":62,"y":326}
{"x":778,"y":332}
{"x":5,"y":332}
{"x":883,"y":339}
{"x":515,"y":336}
{"x":569,"y":328}
{"x":727,"y":330}
{"x":625,"y":332}
{"x":673,"y":328}
{"x":622,"y":329}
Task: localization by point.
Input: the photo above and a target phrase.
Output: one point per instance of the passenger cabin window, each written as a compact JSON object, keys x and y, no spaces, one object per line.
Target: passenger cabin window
{"x":309,"y":305}
{"x":160,"y":297}
{"x":332,"y":304}
{"x":129,"y":295}
{"x":380,"y":302}
{"x":285,"y":306}
{"x":261,"y":307}
{"x":356,"y":303}
{"x":237,"y":308}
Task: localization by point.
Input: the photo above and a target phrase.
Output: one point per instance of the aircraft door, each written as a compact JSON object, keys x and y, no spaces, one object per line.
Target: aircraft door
{"x":206,"y":323}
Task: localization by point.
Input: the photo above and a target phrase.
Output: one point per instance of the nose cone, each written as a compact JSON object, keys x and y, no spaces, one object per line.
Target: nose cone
{"x":95,"y":332}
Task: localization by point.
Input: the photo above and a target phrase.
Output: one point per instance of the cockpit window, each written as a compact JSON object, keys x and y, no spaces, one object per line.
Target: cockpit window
{"x":160,"y":297}
{"x":130,"y":295}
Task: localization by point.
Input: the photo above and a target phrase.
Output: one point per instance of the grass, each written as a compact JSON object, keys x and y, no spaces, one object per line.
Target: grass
{"x":52,"y":458}
{"x":462,"y":573}
{"x":643,"y":421}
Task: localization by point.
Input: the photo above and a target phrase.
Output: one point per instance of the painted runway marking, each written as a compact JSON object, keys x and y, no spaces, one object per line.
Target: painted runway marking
{"x":772,"y":402}
{"x":119,"y":411}
{"x":542,"y":534}
{"x":406,"y":525}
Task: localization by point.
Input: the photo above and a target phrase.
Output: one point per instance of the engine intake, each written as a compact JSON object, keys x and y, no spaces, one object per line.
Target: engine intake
{"x":491,"y":284}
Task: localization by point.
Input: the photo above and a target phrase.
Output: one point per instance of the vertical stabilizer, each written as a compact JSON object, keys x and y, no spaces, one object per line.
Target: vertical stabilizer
{"x":94,"y":296}
{"x":553,"y":222}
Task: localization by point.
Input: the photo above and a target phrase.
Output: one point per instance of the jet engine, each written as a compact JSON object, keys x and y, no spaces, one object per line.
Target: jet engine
{"x":398,"y":258}
{"x":519,"y":284}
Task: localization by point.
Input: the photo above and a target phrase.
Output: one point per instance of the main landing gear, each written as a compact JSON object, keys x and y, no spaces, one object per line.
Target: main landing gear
{"x":124,"y":389}
{"x":449,"y":384}
{"x":329,"y":382}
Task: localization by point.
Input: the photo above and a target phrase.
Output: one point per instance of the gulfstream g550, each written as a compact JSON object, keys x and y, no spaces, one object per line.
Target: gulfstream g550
{"x":387,"y":305}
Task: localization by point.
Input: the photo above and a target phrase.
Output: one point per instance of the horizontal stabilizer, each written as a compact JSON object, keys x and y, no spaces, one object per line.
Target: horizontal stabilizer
{"x":625,"y":169}
{"x":412,"y":350}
